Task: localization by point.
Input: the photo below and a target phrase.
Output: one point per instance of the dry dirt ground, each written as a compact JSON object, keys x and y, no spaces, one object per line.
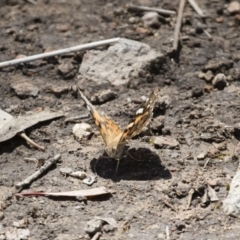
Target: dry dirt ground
{"x":151,"y":191}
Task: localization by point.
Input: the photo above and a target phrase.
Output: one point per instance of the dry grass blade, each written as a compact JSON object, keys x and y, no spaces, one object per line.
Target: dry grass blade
{"x":59,"y":52}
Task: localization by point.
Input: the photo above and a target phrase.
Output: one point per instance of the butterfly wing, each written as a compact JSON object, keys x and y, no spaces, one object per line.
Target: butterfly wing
{"x":110,"y":131}
{"x":141,"y":119}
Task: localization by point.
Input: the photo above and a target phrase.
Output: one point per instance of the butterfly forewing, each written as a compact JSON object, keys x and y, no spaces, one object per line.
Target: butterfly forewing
{"x":141,"y":119}
{"x":109,"y":130}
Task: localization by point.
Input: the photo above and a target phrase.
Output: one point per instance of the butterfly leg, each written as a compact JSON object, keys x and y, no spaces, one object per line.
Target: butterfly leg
{"x":118,"y":161}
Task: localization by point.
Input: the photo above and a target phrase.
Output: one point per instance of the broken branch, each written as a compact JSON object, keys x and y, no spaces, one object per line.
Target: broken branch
{"x":30,"y":141}
{"x":35,"y":175}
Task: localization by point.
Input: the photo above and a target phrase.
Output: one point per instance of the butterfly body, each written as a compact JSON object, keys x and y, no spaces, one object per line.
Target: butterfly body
{"x":114,"y":138}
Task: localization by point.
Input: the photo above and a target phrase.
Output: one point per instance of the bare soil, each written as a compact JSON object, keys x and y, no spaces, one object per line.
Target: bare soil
{"x":152,"y":189}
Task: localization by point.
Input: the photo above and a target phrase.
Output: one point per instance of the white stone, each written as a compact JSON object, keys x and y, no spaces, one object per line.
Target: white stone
{"x":81,"y":130}
{"x":231,"y":204}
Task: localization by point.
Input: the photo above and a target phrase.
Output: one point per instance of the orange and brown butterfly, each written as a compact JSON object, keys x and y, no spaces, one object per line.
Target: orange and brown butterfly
{"x":114,"y":138}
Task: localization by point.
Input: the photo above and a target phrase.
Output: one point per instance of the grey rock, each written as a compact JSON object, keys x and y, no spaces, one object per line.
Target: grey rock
{"x":106,"y":95}
{"x":108,"y":228}
{"x":121,"y":64}
{"x":67,"y":70}
{"x":65,"y":171}
{"x":215,"y":65}
{"x":93,"y":226}
{"x":25,"y":89}
{"x":166,"y":142}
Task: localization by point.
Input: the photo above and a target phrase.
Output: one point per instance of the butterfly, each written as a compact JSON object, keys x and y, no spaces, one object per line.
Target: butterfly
{"x":114,"y":138}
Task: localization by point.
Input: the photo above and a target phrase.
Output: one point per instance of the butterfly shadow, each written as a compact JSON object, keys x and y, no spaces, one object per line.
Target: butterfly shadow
{"x":138,"y":164}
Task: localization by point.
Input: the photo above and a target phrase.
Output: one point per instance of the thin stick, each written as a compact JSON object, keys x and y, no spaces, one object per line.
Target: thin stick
{"x":58,"y":52}
{"x":96,"y":236}
{"x":30,"y":141}
{"x":169,"y":205}
{"x":195,"y":6}
{"x":190,"y":196}
{"x":208,"y":34}
{"x":77,"y":118}
{"x":206,"y":163}
{"x":178,"y":24}
{"x":143,"y":9}
{"x":35,"y":175}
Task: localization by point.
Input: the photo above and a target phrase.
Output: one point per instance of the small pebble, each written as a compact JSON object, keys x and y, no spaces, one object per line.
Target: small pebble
{"x":209,"y":76}
{"x":212,"y":182}
{"x":93,"y":226}
{"x":108,"y":228}
{"x":106,"y":95}
{"x":81,"y":130}
{"x":63,"y":27}
{"x":166,"y":142}
{"x":67,"y":70}
{"x":78,"y":174}
{"x":151,"y":19}
{"x":234,"y":7}
{"x":65,"y":171}
{"x":25,"y":89}
{"x":197,"y":92}
{"x":201,"y":156}
{"x":219,"y":81}
{"x":90,"y":180}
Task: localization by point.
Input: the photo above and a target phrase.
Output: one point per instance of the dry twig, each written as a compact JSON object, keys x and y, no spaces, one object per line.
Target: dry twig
{"x":208,"y":34}
{"x":167,"y":203}
{"x":195,"y":6}
{"x":59,"y":52}
{"x":190,"y":195}
{"x":30,"y":141}
{"x":77,"y":118}
{"x":178,"y":24}
{"x":150,"y":9}
{"x":35,"y":175}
